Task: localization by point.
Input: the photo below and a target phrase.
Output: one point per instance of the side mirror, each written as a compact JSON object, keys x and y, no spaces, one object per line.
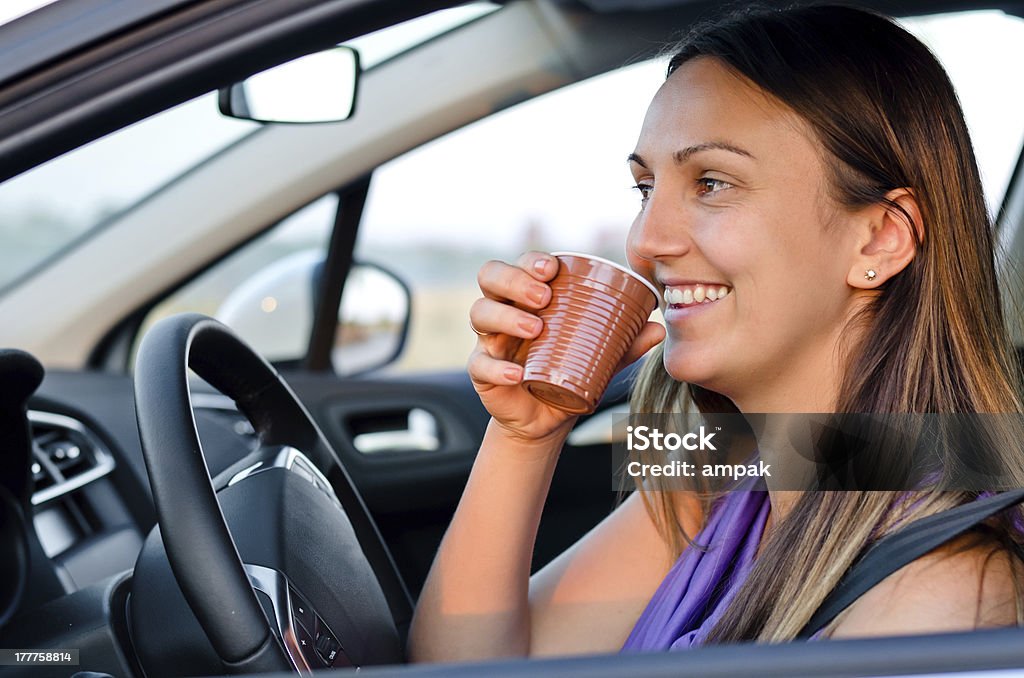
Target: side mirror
{"x":318,"y":87}
{"x":273,"y":311}
{"x":373,"y":321}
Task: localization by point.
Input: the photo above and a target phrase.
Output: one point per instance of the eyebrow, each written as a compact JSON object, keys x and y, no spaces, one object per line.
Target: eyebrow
{"x":684,"y":154}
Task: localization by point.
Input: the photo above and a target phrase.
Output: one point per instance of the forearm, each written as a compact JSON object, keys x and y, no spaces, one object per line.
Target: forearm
{"x":474,"y":603}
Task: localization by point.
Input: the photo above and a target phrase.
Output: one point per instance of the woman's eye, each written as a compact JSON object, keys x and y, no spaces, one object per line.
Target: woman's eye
{"x":707,"y":185}
{"x":645,"y":191}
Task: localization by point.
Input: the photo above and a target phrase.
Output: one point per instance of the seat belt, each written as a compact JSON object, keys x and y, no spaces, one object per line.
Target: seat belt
{"x":901,"y":548}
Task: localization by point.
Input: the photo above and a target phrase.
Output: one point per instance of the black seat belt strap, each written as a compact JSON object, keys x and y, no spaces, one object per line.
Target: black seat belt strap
{"x":903,"y":547}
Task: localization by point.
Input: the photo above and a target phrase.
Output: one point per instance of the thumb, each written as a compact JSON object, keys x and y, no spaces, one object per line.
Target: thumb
{"x":650,"y":336}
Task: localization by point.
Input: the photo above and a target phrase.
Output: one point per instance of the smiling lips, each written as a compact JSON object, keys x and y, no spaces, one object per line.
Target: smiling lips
{"x":690,"y":295}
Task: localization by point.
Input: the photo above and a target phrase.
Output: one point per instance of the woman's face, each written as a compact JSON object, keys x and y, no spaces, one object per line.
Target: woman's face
{"x":735,"y":199}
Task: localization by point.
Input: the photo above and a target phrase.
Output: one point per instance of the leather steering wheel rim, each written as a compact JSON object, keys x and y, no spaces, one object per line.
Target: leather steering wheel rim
{"x":199,"y":547}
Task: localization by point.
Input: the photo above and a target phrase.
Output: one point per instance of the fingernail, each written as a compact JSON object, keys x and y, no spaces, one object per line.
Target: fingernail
{"x":541,"y":265}
{"x":512,"y":373}
{"x":537,"y":293}
{"x":530,"y":325}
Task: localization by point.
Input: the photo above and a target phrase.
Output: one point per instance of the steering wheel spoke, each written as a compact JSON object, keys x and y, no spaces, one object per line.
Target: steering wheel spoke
{"x":296,"y":523}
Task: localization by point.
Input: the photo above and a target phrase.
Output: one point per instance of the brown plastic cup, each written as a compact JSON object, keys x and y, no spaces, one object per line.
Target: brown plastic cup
{"x":586,"y":331}
{"x":562,"y":303}
{"x":571,"y":319}
{"x":595,"y":290}
{"x":570,"y":365}
{"x":596,"y":312}
{"x":594,"y":350}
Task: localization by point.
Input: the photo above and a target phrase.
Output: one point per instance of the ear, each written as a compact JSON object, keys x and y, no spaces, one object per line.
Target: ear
{"x":886,"y":239}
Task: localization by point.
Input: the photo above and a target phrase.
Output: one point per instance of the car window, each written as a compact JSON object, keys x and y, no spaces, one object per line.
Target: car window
{"x":49,"y":208}
{"x":377,"y":47}
{"x":265,"y":290}
{"x":980,"y":51}
{"x":551,"y":174}
{"x":547,"y":174}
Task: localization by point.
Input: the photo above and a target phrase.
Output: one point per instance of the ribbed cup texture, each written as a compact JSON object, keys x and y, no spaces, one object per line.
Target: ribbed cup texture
{"x":596,"y":313}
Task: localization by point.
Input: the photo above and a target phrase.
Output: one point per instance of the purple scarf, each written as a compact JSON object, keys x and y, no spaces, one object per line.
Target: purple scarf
{"x":702,"y":583}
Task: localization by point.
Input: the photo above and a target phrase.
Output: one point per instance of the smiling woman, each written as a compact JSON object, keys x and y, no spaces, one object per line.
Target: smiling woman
{"x":734,"y":207}
{"x":871,"y":207}
{"x":810,"y":234}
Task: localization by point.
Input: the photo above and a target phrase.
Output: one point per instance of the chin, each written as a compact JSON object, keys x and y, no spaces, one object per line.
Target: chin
{"x":683,"y":365}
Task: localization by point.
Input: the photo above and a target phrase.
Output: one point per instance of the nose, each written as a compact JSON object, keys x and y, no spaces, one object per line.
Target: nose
{"x":660,"y":231}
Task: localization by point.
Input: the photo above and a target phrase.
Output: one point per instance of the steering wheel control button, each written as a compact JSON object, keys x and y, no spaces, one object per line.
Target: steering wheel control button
{"x":303,"y":471}
{"x":303,"y":612}
{"x":326,"y":644}
{"x":306,"y":646}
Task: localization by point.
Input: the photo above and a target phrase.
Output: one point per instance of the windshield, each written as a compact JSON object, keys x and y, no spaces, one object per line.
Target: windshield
{"x":45,"y":211}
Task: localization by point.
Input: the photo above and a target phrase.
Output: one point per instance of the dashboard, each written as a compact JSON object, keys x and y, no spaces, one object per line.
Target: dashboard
{"x":91,"y":500}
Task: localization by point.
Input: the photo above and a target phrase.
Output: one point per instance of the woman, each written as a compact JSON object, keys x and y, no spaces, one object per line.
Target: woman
{"x":814,"y":162}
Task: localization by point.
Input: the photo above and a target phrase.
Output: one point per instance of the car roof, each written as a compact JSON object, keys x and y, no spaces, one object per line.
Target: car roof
{"x":64,"y":27}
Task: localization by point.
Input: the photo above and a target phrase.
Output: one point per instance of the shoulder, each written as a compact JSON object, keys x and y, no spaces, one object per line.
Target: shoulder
{"x":589,"y":598}
{"x":960,"y":586}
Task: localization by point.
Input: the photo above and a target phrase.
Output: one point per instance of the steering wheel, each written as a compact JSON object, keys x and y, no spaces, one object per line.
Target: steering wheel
{"x":303,"y":579}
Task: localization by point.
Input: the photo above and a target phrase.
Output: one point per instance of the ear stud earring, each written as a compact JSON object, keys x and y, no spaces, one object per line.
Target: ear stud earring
{"x":870,"y":274}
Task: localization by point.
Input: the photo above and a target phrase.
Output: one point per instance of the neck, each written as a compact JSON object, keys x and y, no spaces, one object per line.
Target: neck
{"x":780,"y":437}
{"x":778,"y":417}
{"x":808,"y":383}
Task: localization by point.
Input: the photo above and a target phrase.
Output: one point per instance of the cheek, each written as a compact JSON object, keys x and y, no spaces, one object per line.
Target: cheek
{"x":783,"y":270}
{"x":734,"y":248}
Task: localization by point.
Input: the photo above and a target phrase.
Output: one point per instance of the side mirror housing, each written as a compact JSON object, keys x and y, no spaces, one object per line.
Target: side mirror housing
{"x":273,"y":311}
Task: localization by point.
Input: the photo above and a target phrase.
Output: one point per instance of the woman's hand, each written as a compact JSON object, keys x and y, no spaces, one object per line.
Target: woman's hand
{"x":506,"y":312}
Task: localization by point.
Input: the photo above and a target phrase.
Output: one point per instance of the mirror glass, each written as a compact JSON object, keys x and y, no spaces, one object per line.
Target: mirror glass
{"x":273,"y":312}
{"x":318,"y":87}
{"x":372,"y":320}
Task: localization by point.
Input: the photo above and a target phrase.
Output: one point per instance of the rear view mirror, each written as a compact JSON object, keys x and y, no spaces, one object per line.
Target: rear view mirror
{"x":318,"y":87}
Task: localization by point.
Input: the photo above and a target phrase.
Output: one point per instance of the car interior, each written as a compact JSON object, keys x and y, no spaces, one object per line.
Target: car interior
{"x":260,"y":483}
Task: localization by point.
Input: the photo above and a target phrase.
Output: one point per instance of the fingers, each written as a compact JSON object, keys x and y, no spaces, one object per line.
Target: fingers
{"x":494,"y":317}
{"x":540,"y":265}
{"x":650,"y":336}
{"x":522,"y":283}
{"x":486,"y":371}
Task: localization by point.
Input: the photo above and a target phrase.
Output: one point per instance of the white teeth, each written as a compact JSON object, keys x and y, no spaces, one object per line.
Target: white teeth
{"x":673,"y":295}
{"x":699,"y":294}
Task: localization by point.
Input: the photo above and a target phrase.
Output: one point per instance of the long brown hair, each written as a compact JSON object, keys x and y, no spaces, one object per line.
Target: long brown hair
{"x":887,"y":117}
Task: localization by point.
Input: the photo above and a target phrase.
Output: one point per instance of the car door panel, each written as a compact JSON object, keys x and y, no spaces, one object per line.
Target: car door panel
{"x":413,"y":494}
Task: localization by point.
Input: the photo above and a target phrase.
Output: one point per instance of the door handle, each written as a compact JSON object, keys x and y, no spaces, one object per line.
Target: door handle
{"x":419,"y":435}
